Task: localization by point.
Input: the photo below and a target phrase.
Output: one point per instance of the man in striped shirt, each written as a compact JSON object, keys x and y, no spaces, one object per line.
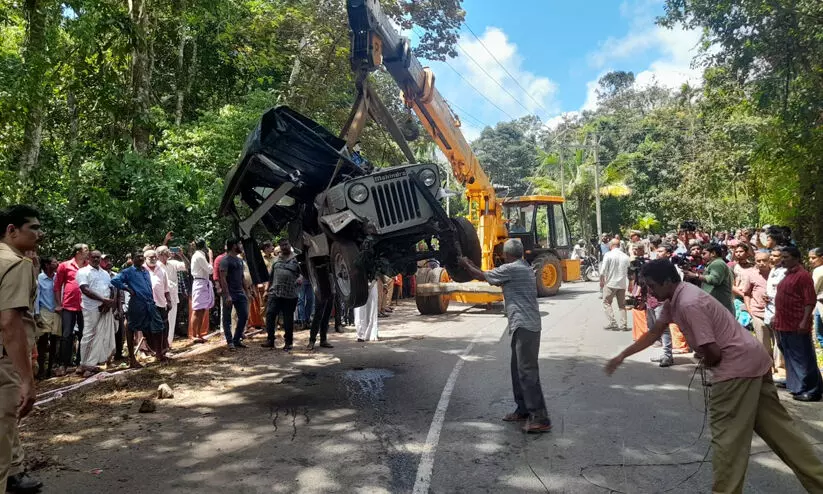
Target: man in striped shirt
{"x":792,"y":324}
{"x":516,"y":278}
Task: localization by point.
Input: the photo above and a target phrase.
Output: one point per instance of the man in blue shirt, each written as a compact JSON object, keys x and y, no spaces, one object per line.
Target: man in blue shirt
{"x":48,"y":322}
{"x":234,"y":293}
{"x":142,"y":314}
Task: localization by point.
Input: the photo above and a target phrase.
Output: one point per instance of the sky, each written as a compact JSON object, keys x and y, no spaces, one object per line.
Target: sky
{"x":556,"y":50}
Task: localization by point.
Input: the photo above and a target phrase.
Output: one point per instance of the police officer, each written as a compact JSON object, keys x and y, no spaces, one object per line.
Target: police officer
{"x":19,"y":232}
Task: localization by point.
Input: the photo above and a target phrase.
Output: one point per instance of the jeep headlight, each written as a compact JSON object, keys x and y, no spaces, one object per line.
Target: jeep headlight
{"x":358,"y":193}
{"x":428,"y":176}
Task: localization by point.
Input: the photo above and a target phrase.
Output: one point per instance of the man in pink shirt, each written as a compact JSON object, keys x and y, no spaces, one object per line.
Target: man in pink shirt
{"x":743,"y":399}
{"x":753,"y":285}
{"x":67,"y":298}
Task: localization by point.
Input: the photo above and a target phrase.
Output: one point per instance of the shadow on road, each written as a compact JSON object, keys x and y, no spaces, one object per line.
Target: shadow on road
{"x":356,"y":417}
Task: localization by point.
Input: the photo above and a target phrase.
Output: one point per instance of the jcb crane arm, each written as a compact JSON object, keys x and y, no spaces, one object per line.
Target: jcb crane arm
{"x":375,"y":42}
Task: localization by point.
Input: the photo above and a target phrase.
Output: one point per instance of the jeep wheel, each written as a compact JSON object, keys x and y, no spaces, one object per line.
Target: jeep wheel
{"x":470,"y":247}
{"x":432,"y":304}
{"x":548,"y":272}
{"x":349,"y":277}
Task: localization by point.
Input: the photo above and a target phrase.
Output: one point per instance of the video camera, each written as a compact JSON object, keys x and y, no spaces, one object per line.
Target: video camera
{"x":636,"y":265}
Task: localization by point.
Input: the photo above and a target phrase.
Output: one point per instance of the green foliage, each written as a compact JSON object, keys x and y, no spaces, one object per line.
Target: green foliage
{"x":508,"y":153}
{"x":213,"y":68}
{"x":763,"y":90}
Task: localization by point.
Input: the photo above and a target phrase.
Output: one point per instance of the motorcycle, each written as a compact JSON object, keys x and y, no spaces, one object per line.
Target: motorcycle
{"x":590,"y":268}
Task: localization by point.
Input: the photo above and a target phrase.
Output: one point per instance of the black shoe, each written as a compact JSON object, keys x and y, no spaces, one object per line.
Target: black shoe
{"x":22,"y":483}
{"x":338,"y":329}
{"x":268,"y":344}
{"x":666,"y":362}
{"x":240,"y":344}
{"x":360,"y":340}
{"x":326,"y":344}
{"x":310,"y":346}
{"x":806,"y":397}
{"x":780,"y":384}
{"x":287,"y":348}
{"x":232,"y":347}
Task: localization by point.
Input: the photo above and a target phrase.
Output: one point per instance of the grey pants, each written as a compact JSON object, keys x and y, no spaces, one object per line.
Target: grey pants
{"x":652,"y":315}
{"x":526,"y":376}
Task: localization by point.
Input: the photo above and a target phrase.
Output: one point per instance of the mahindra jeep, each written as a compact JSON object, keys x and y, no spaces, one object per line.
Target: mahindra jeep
{"x":350,"y":226}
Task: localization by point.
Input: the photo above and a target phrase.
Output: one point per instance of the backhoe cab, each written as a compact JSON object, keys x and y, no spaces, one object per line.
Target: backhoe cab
{"x":540,"y":223}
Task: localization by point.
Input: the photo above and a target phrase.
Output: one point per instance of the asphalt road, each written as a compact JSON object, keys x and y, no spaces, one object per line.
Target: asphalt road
{"x":360,"y":417}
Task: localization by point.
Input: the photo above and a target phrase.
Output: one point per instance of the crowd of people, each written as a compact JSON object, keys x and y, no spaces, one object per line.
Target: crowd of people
{"x":757,"y":275}
{"x":84,"y":313}
{"x":88,"y":311}
{"x":746,"y":306}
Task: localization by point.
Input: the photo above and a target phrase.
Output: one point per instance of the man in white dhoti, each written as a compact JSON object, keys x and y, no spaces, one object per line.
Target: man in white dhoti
{"x":98,"y":319}
{"x":365,"y":317}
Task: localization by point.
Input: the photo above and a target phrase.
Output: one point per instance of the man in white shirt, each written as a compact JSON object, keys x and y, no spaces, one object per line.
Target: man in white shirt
{"x":173,"y":268}
{"x":202,"y":291}
{"x":614,"y":280}
{"x":579,"y":250}
{"x":98,"y":321}
{"x":160,"y":292}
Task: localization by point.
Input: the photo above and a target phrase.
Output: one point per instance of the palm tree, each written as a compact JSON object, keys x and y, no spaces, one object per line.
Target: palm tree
{"x":579,"y":187}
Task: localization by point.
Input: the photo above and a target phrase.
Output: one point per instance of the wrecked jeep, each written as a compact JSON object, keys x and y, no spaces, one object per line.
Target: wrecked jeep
{"x":350,"y":225}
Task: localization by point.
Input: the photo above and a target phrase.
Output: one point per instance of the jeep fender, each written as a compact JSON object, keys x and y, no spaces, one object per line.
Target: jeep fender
{"x":338,"y":221}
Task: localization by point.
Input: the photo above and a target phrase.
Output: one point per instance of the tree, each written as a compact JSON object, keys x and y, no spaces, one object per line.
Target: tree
{"x":765,"y":68}
{"x":39,"y":16}
{"x":508,"y":153}
{"x":126,"y":116}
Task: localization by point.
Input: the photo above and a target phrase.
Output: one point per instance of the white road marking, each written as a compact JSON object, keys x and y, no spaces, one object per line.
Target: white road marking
{"x":424,"y":468}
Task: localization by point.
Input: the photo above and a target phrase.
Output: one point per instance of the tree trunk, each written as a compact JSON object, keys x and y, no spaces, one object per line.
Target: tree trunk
{"x":74,"y":126}
{"x":181,"y":79}
{"x":35,"y":60}
{"x":140,"y":75}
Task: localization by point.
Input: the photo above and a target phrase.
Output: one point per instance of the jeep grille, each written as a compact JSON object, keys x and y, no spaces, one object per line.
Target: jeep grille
{"x":396,"y":202}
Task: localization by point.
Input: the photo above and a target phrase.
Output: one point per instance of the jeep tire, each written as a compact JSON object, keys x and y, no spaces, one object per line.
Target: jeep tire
{"x":349,"y":276}
{"x":466,"y":236}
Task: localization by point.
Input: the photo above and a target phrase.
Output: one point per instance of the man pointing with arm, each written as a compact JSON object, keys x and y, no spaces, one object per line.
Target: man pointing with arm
{"x":516,"y":278}
{"x":743,"y":399}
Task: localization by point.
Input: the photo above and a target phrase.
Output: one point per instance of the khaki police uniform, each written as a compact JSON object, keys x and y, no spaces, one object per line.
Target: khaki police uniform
{"x":18,"y":289}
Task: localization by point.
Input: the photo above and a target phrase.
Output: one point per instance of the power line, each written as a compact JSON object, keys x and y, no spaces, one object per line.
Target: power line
{"x":504,"y":68}
{"x":477,"y":90}
{"x":472,"y":85}
{"x":464,"y":112}
{"x":493,"y":79}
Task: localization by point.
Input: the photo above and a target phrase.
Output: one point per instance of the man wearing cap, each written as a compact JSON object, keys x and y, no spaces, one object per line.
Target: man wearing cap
{"x":19,"y":232}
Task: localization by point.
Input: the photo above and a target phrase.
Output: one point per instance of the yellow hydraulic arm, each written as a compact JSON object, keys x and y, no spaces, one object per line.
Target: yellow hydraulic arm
{"x":375,"y":42}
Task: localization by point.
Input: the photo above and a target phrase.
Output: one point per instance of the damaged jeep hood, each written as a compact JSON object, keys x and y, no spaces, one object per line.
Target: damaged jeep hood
{"x":285,"y":146}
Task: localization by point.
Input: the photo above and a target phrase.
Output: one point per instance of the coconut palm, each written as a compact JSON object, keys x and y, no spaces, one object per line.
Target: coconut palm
{"x":579,"y":187}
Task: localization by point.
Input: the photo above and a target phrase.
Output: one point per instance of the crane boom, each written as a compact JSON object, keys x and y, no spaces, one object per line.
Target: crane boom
{"x":376,"y":42}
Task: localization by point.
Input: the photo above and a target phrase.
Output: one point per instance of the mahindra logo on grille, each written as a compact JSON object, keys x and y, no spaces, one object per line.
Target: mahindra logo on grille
{"x":389,"y":176}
